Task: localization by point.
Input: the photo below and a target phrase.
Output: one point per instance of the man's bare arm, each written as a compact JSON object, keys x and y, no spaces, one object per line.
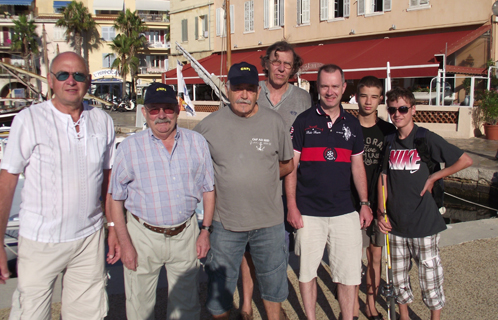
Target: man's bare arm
{"x":285,"y":167}
{"x":128,"y":252}
{"x":114,"y":253}
{"x":293,"y":214}
{"x":8,"y":183}
{"x":463,"y":162}
{"x":203,"y":244}
{"x":360,"y":182}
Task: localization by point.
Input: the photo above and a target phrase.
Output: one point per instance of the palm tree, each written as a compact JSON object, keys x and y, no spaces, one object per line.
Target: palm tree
{"x":124,"y":61}
{"x":24,"y":39}
{"x":132,"y":26}
{"x":78,"y":23}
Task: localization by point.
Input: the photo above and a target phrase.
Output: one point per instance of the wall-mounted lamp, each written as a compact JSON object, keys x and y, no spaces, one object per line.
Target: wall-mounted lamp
{"x":235,"y":46}
{"x":352,"y":32}
{"x":260,"y":43}
{"x":393,"y":27}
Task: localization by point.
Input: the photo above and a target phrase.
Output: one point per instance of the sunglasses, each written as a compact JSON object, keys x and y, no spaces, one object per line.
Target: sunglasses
{"x":401,"y":110}
{"x":155,"y":111}
{"x":64,"y":75}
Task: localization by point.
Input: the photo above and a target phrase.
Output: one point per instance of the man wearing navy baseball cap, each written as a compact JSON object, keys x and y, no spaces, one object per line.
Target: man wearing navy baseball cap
{"x":251,"y":150}
{"x":159,"y":176}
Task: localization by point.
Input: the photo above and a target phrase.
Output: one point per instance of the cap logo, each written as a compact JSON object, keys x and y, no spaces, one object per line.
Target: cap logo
{"x":161,"y":89}
{"x":245,"y":68}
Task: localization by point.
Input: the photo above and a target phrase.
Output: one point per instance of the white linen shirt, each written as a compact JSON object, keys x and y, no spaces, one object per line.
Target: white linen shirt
{"x":63,"y":170}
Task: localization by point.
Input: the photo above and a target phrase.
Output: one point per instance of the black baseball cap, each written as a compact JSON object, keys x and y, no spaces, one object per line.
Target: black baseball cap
{"x":243,"y":73}
{"x":160,"y":93}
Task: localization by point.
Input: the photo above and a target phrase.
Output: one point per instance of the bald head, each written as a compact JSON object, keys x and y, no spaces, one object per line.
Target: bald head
{"x":64,"y":55}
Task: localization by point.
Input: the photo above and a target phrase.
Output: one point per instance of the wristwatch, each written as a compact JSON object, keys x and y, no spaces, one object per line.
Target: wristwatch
{"x":365,"y":203}
{"x":208,"y":228}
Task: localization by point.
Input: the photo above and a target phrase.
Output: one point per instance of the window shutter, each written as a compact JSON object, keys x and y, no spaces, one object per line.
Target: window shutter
{"x":232,"y":20}
{"x":251,"y":16}
{"x":112,"y":33}
{"x":346,"y":8}
{"x":413,"y":3}
{"x":423,"y":2}
{"x":281,"y":13}
{"x":218,"y":22}
{"x":324,"y":10}
{"x":247,"y":14}
{"x":306,"y":11}
{"x":387,"y":5}
{"x":196,"y":28}
{"x":184,"y":30}
{"x":361,"y":7}
{"x":266,"y":14}
{"x":205,"y":30}
{"x":299,"y":12}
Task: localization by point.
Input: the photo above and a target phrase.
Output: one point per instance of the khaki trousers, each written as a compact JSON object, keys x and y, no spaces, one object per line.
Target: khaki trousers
{"x":83,"y":279}
{"x":178,"y":255}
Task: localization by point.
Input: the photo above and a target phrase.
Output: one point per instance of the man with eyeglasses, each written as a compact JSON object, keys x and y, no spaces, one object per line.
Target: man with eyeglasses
{"x":328,"y":149}
{"x":251,"y":151}
{"x":280,"y":63}
{"x":64,"y":148}
{"x":414,"y":221}
{"x":160,"y":175}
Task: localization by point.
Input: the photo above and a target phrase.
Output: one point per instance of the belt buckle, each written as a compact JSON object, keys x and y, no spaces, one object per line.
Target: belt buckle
{"x":166,"y":230}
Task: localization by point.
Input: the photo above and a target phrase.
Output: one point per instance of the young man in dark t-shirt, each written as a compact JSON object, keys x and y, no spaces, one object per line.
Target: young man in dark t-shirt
{"x":414,"y":220}
{"x":369,"y":96}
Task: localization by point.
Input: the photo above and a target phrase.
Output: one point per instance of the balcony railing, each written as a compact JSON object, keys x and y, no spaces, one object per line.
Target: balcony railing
{"x":163,"y":45}
{"x":154,"y":17}
{"x":151,"y":70}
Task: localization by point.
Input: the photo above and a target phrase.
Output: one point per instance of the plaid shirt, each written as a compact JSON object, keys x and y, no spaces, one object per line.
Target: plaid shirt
{"x":162,"y":188}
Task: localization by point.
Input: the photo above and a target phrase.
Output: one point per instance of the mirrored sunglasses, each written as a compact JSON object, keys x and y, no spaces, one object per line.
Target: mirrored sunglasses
{"x":64,"y":75}
{"x":401,"y":110}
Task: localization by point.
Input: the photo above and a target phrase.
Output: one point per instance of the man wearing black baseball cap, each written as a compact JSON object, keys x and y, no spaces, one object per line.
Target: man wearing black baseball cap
{"x":159,"y":175}
{"x":251,"y":150}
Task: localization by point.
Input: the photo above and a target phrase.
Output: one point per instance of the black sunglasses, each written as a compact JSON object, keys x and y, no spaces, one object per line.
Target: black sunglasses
{"x":401,"y":110}
{"x":64,"y":75}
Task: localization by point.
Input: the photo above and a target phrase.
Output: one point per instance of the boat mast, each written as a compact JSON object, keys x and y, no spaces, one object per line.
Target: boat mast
{"x":229,"y":32}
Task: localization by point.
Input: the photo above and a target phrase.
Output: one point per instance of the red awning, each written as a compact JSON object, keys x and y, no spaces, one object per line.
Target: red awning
{"x":408,"y":56}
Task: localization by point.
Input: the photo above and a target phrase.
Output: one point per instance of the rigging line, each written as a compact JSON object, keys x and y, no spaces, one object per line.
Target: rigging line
{"x":468,"y":201}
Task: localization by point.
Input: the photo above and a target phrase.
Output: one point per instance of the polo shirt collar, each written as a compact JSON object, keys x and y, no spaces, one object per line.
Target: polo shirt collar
{"x":320,"y":112}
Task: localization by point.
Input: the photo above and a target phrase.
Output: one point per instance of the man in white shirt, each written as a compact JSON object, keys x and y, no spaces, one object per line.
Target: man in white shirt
{"x":64,"y":148}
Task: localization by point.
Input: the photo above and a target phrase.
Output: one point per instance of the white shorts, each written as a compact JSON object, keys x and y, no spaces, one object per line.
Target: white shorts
{"x":342,"y":237}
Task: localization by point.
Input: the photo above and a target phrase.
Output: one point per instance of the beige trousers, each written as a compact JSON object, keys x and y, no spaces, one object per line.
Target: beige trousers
{"x":83,"y":279}
{"x":178,"y":255}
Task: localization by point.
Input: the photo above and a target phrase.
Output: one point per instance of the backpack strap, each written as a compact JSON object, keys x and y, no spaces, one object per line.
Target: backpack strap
{"x":420,"y":143}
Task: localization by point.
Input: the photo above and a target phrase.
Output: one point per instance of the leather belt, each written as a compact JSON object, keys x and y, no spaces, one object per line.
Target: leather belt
{"x":168,"y":232}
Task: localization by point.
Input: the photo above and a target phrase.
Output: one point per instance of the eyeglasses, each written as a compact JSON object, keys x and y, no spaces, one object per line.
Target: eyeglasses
{"x":64,"y":75}
{"x":277,"y":63}
{"x":401,"y":110}
{"x":155,"y":111}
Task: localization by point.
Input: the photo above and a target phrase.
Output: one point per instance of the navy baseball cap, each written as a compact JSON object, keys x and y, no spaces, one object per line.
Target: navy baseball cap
{"x":243,"y":73}
{"x":160,"y":93}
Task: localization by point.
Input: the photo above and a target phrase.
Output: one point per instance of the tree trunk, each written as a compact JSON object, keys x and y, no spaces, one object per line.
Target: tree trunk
{"x":77,"y":42}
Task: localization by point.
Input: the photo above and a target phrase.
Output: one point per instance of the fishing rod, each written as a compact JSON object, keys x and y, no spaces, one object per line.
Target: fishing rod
{"x":388,"y":289}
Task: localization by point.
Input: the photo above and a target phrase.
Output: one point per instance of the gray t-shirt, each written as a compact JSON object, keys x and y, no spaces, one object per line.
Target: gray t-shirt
{"x":294,"y":101}
{"x":246,"y":154}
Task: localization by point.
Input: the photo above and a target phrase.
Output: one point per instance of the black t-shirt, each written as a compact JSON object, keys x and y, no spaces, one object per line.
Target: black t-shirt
{"x":374,"y":143}
{"x":411,"y":215}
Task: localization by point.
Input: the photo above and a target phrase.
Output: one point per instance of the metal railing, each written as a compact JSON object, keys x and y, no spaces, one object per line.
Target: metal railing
{"x":154,"y":17}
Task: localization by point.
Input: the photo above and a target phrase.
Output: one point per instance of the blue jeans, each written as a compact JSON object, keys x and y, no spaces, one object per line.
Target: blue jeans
{"x":268,"y":252}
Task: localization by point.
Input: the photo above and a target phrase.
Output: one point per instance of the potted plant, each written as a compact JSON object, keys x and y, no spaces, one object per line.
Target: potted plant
{"x":489,"y":113}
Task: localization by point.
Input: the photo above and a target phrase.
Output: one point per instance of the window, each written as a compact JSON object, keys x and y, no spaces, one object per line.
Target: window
{"x":108,"y":33}
{"x":333,"y":9}
{"x":273,"y":13}
{"x":249,"y":16}
{"x":114,"y":12}
{"x":59,"y":33}
{"x":201,"y":27}
{"x":107,"y":60}
{"x":221,"y":21}
{"x":59,"y":6}
{"x":303,"y":11}
{"x":184,"y":30}
{"x":419,"y":3}
{"x":373,"y":6}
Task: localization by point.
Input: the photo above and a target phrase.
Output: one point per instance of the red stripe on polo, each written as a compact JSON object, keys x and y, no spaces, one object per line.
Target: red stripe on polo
{"x":317,"y":154}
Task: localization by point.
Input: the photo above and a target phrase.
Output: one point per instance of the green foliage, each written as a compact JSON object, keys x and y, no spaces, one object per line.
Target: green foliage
{"x":24,"y":38}
{"x":125,"y":61}
{"x":489,"y":107}
{"x":78,"y":23}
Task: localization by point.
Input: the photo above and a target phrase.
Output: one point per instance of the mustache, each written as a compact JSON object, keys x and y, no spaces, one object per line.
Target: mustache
{"x":165,"y":120}
{"x":246,"y":101}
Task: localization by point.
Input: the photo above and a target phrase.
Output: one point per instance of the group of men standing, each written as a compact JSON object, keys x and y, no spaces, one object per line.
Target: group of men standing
{"x":268,"y":150}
